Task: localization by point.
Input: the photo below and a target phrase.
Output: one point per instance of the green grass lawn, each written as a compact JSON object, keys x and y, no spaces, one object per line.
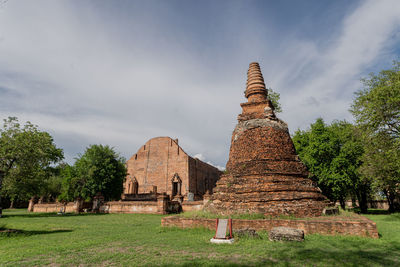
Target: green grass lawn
{"x":139,"y":240}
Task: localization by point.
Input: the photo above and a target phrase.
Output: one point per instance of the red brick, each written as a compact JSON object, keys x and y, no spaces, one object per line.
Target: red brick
{"x":159,"y":160}
{"x":264,"y":173}
{"x":328,"y":225}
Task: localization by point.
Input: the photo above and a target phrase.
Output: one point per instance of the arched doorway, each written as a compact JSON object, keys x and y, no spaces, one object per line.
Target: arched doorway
{"x":176,"y":185}
{"x":133,"y":186}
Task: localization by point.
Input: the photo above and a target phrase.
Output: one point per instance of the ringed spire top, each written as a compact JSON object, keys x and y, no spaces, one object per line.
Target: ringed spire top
{"x":255,"y":86}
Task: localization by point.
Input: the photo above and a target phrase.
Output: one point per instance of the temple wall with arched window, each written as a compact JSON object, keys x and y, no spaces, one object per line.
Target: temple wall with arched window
{"x":160,"y":162}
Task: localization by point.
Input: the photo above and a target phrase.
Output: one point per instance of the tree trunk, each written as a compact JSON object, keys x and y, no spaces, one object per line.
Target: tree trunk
{"x":353,"y":201}
{"x":342,"y":202}
{"x":32,"y":203}
{"x":363,"y":202}
{"x":12,"y":204}
{"x":1,"y":182}
{"x":390,"y":200}
{"x":391,"y":205}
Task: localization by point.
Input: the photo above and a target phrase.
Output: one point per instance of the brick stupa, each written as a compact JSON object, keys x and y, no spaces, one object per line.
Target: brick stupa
{"x":264,"y":174}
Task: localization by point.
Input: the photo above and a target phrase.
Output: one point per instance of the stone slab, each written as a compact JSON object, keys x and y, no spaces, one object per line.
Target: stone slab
{"x":286,"y":234}
{"x":221,"y":229}
{"x":222,"y":241}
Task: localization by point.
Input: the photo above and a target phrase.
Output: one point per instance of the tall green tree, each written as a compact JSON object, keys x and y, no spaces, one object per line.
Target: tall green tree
{"x":332,"y":153}
{"x":26,"y":154}
{"x":99,"y":169}
{"x":70,"y":184}
{"x":317,"y":148}
{"x":53,"y":185}
{"x":382,"y":165}
{"x":346,"y":165}
{"x":377,"y":112}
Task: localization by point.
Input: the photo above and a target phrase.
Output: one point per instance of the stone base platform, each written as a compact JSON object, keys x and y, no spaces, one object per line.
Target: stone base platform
{"x":325,"y":225}
{"x":222,"y":241}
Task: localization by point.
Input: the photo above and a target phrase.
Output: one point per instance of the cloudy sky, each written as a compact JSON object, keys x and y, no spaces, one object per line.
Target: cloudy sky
{"x":122,"y":72}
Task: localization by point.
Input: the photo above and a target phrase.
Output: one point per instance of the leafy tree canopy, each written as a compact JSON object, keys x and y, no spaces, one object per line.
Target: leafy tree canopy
{"x":53,"y":185}
{"x":26,"y":156}
{"x":377,"y":111}
{"x":382,"y":165}
{"x":377,"y":106}
{"x":99,"y":169}
{"x":332,"y":153}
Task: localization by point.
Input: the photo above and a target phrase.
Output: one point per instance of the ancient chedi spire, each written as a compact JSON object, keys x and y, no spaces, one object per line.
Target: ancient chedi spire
{"x":255,"y":86}
{"x":264,"y":174}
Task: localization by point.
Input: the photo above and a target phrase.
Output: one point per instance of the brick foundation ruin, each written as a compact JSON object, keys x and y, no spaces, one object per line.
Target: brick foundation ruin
{"x":264,"y":173}
{"x":328,"y":225}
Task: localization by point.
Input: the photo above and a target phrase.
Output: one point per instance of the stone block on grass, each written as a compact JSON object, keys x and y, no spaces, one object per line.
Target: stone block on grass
{"x":331,"y":211}
{"x":286,"y":234}
{"x":246,"y":232}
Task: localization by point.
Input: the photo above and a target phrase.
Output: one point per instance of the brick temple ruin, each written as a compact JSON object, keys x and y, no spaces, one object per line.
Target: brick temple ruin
{"x":264,"y":174}
{"x":162,"y":167}
{"x":162,"y":178}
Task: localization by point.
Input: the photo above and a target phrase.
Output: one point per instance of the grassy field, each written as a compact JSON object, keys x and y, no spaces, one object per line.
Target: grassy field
{"x":138,"y":240}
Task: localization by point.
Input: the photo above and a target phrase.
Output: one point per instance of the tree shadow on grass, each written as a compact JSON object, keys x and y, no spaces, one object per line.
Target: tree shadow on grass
{"x":50,"y":214}
{"x":220,"y":262}
{"x":309,"y":257}
{"x":378,"y":212}
{"x":355,"y":257}
{"x":344,"y":253}
{"x":348,"y":253}
{"x":15,"y":232}
{"x":394,"y":217}
{"x":371,"y":211}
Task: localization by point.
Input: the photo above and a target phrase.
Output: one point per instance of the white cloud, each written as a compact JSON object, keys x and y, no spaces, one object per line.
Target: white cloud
{"x":217,"y":166}
{"x":73,"y":80}
{"x":202,"y":158}
{"x":120,"y":82}
{"x":327,"y":89}
{"x":199,"y":156}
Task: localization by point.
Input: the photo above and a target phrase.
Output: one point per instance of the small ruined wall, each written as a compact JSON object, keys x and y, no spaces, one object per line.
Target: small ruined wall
{"x":140,"y":197}
{"x":378,"y":204}
{"x":130,"y":207}
{"x":107,"y":207}
{"x":192,"y":205}
{"x":373,"y":204}
{"x":160,"y":206}
{"x":360,"y":227}
{"x":54,"y":207}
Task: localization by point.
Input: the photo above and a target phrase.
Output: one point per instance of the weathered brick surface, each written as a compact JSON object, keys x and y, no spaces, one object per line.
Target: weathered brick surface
{"x":192,"y":206}
{"x":54,"y":207}
{"x":150,"y":207}
{"x":286,"y":234}
{"x":162,"y":205}
{"x":159,"y":160}
{"x":323,"y":225}
{"x":264,"y":173}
